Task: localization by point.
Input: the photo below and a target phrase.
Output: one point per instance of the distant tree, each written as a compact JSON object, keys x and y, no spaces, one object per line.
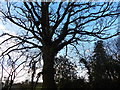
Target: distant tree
{"x":99,"y":59}
{"x":103,"y":68}
{"x":65,"y":69}
{"x":50,"y":26}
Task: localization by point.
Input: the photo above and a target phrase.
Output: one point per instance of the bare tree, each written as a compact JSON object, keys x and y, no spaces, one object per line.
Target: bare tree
{"x":12,"y":68}
{"x":51,"y":26}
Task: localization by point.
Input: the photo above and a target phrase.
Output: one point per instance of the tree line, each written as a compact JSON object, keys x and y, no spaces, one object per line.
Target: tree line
{"x":103,"y":71}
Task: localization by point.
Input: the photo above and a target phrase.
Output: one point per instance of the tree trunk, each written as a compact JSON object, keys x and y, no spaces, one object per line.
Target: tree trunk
{"x":48,"y":69}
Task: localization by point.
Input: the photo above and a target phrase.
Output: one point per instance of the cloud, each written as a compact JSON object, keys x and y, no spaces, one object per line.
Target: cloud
{"x":2,"y":27}
{"x":22,"y":75}
{"x":3,"y":47}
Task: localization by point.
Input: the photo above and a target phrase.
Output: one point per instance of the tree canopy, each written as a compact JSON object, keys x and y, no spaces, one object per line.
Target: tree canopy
{"x":102,"y":68}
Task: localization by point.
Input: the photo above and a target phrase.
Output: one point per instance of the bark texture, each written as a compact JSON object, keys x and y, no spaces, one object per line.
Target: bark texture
{"x":48,"y":69}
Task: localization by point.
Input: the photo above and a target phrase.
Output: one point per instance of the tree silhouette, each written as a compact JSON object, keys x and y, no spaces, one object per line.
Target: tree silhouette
{"x":65,"y":69}
{"x":103,"y":68}
{"x":50,"y":26}
{"x":100,"y":58}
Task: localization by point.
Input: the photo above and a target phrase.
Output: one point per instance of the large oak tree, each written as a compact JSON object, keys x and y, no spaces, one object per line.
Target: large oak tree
{"x":50,"y":26}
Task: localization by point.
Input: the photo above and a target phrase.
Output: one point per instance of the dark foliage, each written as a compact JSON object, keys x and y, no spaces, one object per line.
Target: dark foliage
{"x":103,"y":69}
{"x":65,"y":69}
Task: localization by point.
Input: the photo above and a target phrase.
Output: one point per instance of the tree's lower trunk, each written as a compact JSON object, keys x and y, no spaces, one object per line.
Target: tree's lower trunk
{"x":32,"y":80}
{"x":48,"y":71}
